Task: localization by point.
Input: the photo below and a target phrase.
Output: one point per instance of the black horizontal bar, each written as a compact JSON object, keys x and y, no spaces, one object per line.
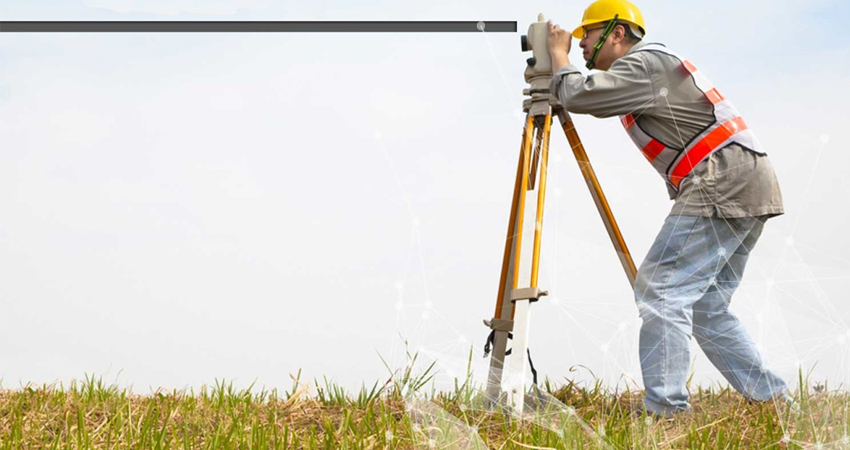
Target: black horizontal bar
{"x":255,"y":27}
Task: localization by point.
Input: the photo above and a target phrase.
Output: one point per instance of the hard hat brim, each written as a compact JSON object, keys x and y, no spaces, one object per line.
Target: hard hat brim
{"x":578,"y":33}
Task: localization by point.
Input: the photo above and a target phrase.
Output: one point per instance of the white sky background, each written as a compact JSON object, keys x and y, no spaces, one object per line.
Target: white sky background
{"x":176,"y":208}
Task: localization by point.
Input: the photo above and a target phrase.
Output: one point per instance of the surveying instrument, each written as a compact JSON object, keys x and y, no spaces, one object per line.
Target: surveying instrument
{"x":511,"y":318}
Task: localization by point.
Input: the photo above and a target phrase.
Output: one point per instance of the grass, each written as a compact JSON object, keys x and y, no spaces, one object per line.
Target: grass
{"x":90,"y":414}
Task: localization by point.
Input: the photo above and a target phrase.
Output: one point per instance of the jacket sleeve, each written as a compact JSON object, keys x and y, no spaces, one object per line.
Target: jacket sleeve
{"x":625,"y":88}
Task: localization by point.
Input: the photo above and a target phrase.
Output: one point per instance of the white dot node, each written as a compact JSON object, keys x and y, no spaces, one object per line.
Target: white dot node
{"x":824,"y":138}
{"x":432,"y":443}
{"x":663,"y":92}
{"x":721,"y":251}
{"x":697,"y":179}
{"x":623,"y":326}
{"x":378,"y":136}
{"x":786,"y":439}
{"x":789,"y":240}
{"x":712,"y":281}
{"x":818,"y":446}
{"x":648,"y":420}
{"x":416,"y":427}
{"x":399,"y":306}
{"x":846,"y":439}
{"x":474,"y":428}
{"x":604,"y":348}
{"x":601,"y":431}
{"x":426,"y":315}
{"x":763,"y":369}
{"x":389,"y":435}
{"x":462,"y":407}
{"x":571,"y":410}
{"x":480,"y":26}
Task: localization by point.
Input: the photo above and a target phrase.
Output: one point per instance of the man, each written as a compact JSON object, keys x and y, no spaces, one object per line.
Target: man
{"x":722,"y":183}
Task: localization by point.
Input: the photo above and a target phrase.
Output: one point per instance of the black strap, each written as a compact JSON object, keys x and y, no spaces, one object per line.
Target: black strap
{"x":591,"y":63}
{"x":533,"y":372}
{"x":489,"y":343}
{"x":490,"y":340}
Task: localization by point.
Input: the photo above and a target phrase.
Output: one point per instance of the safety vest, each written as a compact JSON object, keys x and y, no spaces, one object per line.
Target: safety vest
{"x":673,"y":164}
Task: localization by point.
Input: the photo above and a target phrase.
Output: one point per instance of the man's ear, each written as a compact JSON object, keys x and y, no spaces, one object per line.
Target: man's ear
{"x":619,"y":33}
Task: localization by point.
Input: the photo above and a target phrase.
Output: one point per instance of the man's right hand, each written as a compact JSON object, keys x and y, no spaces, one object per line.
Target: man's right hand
{"x":559,"y":42}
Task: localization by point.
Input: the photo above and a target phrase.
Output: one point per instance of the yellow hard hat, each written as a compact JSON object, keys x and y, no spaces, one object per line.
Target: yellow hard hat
{"x":605,"y":10}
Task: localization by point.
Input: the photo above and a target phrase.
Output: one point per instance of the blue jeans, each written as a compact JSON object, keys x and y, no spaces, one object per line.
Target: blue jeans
{"x":684,"y":287}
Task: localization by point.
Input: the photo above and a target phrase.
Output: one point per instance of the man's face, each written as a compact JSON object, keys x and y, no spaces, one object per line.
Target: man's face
{"x":606,"y":54}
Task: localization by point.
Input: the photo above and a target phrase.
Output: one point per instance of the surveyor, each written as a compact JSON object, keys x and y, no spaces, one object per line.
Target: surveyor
{"x":723,"y":186}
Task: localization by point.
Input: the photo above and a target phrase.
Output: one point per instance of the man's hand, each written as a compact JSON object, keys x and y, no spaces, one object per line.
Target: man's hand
{"x":559,"y":42}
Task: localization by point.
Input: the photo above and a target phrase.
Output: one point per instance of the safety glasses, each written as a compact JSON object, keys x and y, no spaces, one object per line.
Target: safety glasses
{"x":588,"y":30}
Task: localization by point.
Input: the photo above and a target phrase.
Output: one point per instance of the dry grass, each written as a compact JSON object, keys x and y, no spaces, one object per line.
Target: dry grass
{"x":90,"y":414}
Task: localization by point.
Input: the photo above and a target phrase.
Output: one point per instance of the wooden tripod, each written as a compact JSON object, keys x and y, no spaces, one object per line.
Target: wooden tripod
{"x":512,"y":303}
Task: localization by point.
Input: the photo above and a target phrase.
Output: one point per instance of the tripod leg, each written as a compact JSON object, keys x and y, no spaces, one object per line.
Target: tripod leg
{"x":517,"y":380}
{"x":541,"y":197}
{"x":518,"y":367}
{"x":510,"y":263}
{"x":598,"y":196}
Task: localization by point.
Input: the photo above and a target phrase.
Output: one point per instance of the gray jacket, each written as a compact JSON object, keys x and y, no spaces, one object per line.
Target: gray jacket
{"x":731,"y":182}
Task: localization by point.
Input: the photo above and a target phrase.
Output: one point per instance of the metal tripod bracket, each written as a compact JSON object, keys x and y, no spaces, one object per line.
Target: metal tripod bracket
{"x":532,"y":294}
{"x":500,"y":324}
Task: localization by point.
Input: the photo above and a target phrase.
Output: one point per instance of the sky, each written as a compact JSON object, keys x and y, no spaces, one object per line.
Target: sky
{"x":181,"y":208}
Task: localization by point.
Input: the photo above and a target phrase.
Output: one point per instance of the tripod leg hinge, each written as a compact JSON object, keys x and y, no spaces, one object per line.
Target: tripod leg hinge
{"x":500,"y":324}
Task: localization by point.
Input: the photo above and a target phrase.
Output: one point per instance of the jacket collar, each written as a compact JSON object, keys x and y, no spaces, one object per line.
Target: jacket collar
{"x":637,"y":46}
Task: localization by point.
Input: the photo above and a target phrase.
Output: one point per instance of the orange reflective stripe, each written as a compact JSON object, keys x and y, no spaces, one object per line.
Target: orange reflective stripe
{"x":689,"y":67}
{"x":628,"y":120}
{"x":704,"y":147}
{"x":652,"y":149}
{"x":714,"y":96}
